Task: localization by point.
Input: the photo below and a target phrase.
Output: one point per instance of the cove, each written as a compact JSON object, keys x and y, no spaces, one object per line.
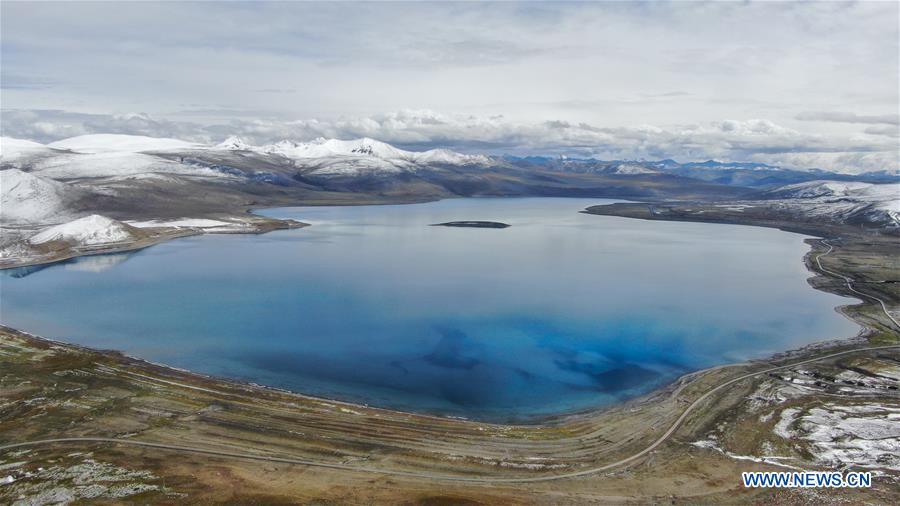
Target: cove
{"x":560,"y":311}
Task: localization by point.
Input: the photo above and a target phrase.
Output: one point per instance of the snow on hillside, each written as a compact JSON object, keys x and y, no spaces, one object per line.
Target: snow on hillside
{"x":111,"y":155}
{"x":74,"y":165}
{"x":106,"y":155}
{"x":11,"y":148}
{"x":87,"y":231}
{"x":108,"y":143}
{"x":26,"y":198}
{"x":323,"y":148}
{"x":234,"y":143}
{"x":356,"y":165}
{"x":813,"y":189}
{"x":633,"y":169}
{"x":13,"y":151}
{"x":447,"y":157}
{"x":846,"y":201}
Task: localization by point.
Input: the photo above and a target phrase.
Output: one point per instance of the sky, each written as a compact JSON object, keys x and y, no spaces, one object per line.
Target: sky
{"x":800,"y":84}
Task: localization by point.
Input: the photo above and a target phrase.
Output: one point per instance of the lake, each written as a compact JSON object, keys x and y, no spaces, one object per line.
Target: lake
{"x":561,"y":311}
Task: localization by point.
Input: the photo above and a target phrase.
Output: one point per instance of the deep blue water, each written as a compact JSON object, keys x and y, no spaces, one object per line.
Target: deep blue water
{"x":561,"y":311}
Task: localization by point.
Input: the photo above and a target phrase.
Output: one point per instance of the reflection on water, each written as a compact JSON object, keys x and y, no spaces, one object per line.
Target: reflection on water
{"x":96,"y":263}
{"x":560,"y":311}
{"x":21,"y":272}
{"x":93,"y":263}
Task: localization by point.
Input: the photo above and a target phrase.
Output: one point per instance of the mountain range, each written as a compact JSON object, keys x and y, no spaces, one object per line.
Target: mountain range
{"x":156,"y":180}
{"x":115,"y":155}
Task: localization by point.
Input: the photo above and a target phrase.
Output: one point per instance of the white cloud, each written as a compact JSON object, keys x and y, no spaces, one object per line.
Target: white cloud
{"x":606,"y":63}
{"x":609,"y":79}
{"x":849,"y":117}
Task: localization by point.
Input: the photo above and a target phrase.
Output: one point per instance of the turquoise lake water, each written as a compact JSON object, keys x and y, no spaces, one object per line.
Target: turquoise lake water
{"x":561,"y":311}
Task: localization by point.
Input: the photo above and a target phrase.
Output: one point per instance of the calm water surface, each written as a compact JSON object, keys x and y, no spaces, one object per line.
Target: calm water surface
{"x":561,"y":311}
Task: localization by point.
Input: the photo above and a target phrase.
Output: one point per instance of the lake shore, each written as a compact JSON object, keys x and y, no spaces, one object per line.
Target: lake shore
{"x":869,"y":257}
{"x":79,"y":392}
{"x":155,"y":235}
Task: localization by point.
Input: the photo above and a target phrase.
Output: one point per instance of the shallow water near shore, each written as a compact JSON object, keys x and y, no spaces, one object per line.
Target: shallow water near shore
{"x":561,"y":311}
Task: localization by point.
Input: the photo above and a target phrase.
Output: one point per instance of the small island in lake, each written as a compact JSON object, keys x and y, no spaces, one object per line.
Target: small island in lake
{"x":473,"y":224}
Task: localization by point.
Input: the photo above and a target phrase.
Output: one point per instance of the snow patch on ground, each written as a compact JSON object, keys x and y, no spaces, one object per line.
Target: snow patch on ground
{"x":769,"y":393}
{"x":788,"y":416}
{"x":863,"y":435}
{"x":84,"y":481}
{"x":201,"y":223}
{"x":183,"y":222}
{"x":774,"y":460}
{"x":16,"y":250}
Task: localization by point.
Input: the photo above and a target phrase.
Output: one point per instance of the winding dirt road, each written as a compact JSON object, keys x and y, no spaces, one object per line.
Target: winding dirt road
{"x":477,"y":479}
{"x":848,"y":280}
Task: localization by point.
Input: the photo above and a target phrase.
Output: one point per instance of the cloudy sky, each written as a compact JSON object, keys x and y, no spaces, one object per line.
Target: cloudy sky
{"x":799,"y":84}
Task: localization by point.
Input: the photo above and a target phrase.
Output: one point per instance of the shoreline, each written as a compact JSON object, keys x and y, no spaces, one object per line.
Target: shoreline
{"x":862,"y":336}
{"x":67,"y":407}
{"x":266,"y":225}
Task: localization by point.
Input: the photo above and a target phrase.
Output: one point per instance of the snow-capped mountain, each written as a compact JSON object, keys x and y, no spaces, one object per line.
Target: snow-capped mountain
{"x":234,"y":143}
{"x":631,"y":169}
{"x":324,"y":148}
{"x":349,"y":157}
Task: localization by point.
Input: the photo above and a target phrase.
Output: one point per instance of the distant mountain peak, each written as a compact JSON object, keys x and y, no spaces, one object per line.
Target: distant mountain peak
{"x":234,"y":143}
{"x":338,"y":156}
